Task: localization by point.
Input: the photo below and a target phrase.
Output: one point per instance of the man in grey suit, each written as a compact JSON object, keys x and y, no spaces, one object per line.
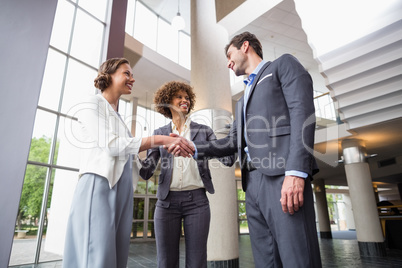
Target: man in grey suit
{"x":273,"y":135}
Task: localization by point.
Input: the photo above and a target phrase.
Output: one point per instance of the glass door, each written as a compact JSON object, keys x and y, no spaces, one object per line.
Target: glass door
{"x":144,"y":209}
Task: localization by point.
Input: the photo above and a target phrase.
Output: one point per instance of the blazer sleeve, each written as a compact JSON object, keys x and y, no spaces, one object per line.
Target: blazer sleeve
{"x":150,"y":163}
{"x":103,"y":129}
{"x":218,"y":147}
{"x":226,"y":160}
{"x":297,"y":88}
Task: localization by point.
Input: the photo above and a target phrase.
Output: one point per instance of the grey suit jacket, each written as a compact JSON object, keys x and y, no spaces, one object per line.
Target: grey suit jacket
{"x":198,"y":132}
{"x":280,"y":122}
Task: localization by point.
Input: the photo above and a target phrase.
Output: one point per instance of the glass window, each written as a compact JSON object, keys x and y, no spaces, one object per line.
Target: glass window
{"x":130,"y":17}
{"x":151,"y":230}
{"x":241,"y":195}
{"x":52,"y":80}
{"x":137,"y":230}
{"x":60,"y":198}
{"x":27,"y":224}
{"x":158,"y":34}
{"x":151,"y":209}
{"x":156,"y":120}
{"x":95,"y":7}
{"x":138,"y":213}
{"x":167,"y":41}
{"x":85,"y":42}
{"x":243,"y":227}
{"x":125,"y":111}
{"x":141,"y":187}
{"x":87,"y":39}
{"x":42,"y":136}
{"x":153,"y":182}
{"x":142,"y":125}
{"x":145,"y":26}
{"x":67,"y":153}
{"x":79,"y":84}
{"x":185,"y":50}
{"x":62,"y":25}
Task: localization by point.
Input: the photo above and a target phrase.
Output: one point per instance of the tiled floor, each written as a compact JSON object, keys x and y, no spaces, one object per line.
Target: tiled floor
{"x":342,"y":251}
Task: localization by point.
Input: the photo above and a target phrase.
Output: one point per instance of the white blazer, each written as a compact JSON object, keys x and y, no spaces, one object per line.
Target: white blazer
{"x":105,"y":140}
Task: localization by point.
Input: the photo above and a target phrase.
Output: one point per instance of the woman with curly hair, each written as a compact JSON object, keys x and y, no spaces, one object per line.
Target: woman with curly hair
{"x":183,"y":182}
{"x":99,"y":225}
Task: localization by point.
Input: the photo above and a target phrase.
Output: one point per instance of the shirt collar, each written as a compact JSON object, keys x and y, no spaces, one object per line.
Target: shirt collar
{"x":250,"y":78}
{"x":186,"y":125}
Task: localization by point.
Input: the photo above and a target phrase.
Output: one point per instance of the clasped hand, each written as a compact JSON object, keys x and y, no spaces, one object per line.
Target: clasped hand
{"x":180,"y":146}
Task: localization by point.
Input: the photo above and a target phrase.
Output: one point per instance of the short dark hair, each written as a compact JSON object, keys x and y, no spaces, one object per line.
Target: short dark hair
{"x":103,"y":80}
{"x":164,"y":95}
{"x":239,"y":39}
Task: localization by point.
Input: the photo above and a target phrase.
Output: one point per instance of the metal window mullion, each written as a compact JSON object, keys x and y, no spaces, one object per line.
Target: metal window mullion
{"x":52,"y":149}
{"x":77,"y":5}
{"x":46,"y":191}
{"x":74,"y":58}
{"x":146,"y":210}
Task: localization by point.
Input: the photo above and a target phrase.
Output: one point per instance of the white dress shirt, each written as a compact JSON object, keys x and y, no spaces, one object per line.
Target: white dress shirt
{"x":185,"y":170}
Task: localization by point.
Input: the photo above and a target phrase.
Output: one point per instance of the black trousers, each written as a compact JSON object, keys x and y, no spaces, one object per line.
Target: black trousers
{"x":191,"y":207}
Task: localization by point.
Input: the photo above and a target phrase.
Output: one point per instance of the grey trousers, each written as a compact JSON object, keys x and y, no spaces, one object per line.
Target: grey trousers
{"x":191,"y":207}
{"x":99,"y":226}
{"x":279,"y":239}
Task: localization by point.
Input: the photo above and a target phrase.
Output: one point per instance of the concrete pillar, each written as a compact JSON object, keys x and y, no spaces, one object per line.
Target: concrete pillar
{"x":350,"y":222}
{"x":26,"y":27}
{"x":368,"y":228}
{"x":322,"y":208}
{"x":210,"y":79}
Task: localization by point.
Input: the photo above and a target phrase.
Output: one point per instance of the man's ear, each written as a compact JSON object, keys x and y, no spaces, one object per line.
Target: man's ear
{"x":245,"y":46}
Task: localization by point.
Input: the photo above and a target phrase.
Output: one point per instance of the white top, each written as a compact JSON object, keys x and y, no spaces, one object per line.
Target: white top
{"x":185,"y":170}
{"x":105,"y":140}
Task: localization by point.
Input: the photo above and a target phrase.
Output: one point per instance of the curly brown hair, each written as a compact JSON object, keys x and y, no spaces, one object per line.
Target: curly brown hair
{"x":164,"y":95}
{"x":109,"y":67}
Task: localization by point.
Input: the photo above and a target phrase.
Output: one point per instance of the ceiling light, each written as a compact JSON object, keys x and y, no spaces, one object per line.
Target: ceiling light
{"x":178,"y":21}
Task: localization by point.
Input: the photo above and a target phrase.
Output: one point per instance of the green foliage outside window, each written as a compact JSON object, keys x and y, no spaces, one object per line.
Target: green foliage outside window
{"x":34,"y":183}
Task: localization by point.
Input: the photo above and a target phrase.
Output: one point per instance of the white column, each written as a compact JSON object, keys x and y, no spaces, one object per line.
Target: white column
{"x":368,"y":228}
{"x":350,"y":221}
{"x":210,"y":79}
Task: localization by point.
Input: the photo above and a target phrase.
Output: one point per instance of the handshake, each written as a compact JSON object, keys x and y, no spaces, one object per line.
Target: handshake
{"x":179,"y":146}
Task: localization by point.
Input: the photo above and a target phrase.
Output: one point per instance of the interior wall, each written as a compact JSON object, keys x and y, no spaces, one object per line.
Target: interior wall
{"x":25,"y":27}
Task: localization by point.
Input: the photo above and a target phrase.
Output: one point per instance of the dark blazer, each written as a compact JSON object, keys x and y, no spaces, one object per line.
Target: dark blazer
{"x":198,"y":132}
{"x":280,"y":120}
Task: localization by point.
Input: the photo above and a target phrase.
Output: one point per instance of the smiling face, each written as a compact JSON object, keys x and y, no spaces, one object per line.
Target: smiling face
{"x":237,"y":59}
{"x":122,"y":79}
{"x":180,"y":102}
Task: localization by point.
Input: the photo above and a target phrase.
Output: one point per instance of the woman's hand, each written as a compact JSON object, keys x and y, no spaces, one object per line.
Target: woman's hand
{"x":180,"y":146}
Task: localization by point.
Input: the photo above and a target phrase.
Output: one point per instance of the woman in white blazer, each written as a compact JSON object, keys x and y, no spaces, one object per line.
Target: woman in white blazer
{"x":99,"y":225}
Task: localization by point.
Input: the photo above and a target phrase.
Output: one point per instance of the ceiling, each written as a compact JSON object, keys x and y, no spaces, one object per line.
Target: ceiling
{"x":280,"y":31}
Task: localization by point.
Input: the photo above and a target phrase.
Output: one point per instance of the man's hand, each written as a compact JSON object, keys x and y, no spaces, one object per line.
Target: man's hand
{"x":180,"y":146}
{"x":292,"y":194}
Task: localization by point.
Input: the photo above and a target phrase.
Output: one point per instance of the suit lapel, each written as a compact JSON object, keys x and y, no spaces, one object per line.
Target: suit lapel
{"x":167,"y":129}
{"x":256,"y":79}
{"x":193,"y":130}
{"x":240,"y":122}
